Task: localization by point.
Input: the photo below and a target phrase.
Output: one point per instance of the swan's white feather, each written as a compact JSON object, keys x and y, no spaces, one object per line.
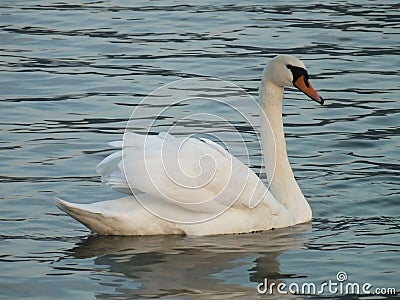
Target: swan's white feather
{"x":168,"y":168}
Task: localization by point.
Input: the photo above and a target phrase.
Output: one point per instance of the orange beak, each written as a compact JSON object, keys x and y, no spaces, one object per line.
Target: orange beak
{"x":306,"y":87}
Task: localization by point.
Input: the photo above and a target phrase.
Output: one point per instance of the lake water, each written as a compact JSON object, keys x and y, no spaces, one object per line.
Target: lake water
{"x":71,"y":74}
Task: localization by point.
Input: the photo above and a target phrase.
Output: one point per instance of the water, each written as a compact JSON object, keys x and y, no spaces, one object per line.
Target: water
{"x":71,"y":74}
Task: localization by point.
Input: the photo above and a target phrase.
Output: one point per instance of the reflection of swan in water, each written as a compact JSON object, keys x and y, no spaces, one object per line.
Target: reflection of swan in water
{"x":191,"y":267}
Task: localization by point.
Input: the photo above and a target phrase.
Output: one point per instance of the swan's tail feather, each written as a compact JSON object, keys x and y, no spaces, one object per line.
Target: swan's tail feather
{"x":123,"y":216}
{"x":95,"y":221}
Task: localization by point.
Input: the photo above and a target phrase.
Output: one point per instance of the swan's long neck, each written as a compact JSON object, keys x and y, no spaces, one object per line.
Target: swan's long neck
{"x":283,"y":185}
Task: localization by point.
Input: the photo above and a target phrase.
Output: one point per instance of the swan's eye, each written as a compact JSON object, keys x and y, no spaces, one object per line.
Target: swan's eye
{"x":297,"y":72}
{"x":306,"y":79}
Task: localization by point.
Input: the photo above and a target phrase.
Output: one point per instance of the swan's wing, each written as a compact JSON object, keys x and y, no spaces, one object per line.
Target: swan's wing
{"x":195,"y":175}
{"x":111,"y":171}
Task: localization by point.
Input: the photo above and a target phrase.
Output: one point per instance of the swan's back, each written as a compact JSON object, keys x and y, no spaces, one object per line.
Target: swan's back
{"x":189,"y":180}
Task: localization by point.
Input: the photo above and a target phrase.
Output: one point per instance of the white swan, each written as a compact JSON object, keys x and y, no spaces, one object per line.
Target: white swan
{"x":232,"y":200}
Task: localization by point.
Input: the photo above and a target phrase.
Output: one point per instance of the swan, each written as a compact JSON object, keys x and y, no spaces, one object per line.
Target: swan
{"x":226,"y":200}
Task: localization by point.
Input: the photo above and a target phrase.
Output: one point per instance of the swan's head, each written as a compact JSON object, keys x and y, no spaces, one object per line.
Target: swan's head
{"x":287,"y":70}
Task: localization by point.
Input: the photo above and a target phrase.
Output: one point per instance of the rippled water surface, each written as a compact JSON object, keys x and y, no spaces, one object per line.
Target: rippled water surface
{"x":71,"y":74}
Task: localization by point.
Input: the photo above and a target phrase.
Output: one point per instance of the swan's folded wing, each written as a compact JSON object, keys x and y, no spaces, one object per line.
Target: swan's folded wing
{"x":192,"y":174}
{"x":197,"y":176}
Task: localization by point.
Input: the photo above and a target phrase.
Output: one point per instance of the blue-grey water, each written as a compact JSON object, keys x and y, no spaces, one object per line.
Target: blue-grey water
{"x":73,"y":71}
